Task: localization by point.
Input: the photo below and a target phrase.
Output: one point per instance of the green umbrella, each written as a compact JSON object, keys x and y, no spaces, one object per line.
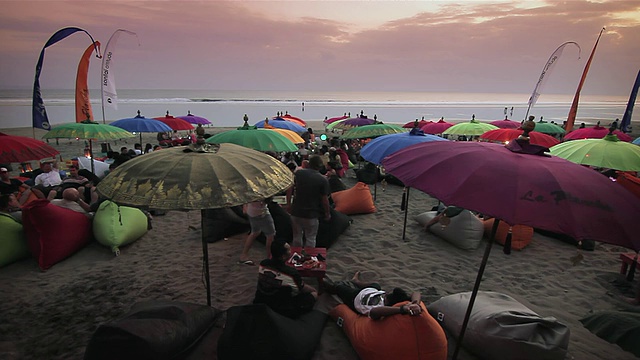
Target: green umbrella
{"x":253,"y":138}
{"x":548,"y":128}
{"x":608,"y":152}
{"x":471,"y":128}
{"x":372,"y":131}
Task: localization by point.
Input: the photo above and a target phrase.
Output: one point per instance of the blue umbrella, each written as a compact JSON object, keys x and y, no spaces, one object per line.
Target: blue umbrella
{"x":379,"y":148}
{"x":636,"y":141}
{"x":141,"y":124}
{"x":283,"y":124}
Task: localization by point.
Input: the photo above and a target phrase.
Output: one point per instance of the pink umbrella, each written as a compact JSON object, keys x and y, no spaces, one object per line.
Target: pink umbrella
{"x":506,"y":124}
{"x":596,"y":132}
{"x":437,"y":127}
{"x":330,"y":120}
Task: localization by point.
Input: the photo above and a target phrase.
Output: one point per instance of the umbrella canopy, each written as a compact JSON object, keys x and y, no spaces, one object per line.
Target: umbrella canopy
{"x":192,"y":119}
{"x":549,"y":128}
{"x":87,"y":130}
{"x":416,"y":123}
{"x":507,"y":135}
{"x":253,"y":138}
{"x":371,"y":131}
{"x":636,"y":141}
{"x":436,"y":127}
{"x":175,"y":123}
{"x":295,"y":138}
{"x":282,"y":124}
{"x":379,"y":148}
{"x":333,"y":119}
{"x":293,"y":119}
{"x":595,"y":132}
{"x":141,"y":124}
{"x":506,"y":124}
{"x":350,"y":123}
{"x":14,"y":149}
{"x":609,"y":152}
{"x":471,"y":128}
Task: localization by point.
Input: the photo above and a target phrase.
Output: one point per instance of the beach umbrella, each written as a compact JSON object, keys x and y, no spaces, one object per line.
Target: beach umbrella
{"x":471,"y":128}
{"x":506,"y":124}
{"x":88,"y":130}
{"x":282,"y":124}
{"x":549,"y":128}
{"x":293,"y":119}
{"x":192,"y":119}
{"x":507,"y":135}
{"x":436,"y":127}
{"x":198,"y":177}
{"x":350,"y":123}
{"x":636,"y":141}
{"x":254,"y":138}
{"x":514,"y":184}
{"x":372,"y":131}
{"x":416,"y":123}
{"x":15,"y":149}
{"x":595,"y":132}
{"x":294,"y":137}
{"x":609,"y":152}
{"x":334,"y":119}
{"x":175,"y":123}
{"x":140,"y":124}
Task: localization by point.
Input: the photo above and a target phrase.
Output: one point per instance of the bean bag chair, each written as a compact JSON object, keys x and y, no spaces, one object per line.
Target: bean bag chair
{"x":221,"y":223}
{"x":100,"y":168}
{"x":257,"y":332}
{"x":13,"y":245}
{"x":521,"y":235}
{"x":336,"y":184}
{"x":329,"y":231}
{"x":53,"y":232}
{"x":369,"y":174}
{"x":629,"y":182}
{"x":392,"y":337}
{"x":357,"y":200}
{"x":500,"y":328}
{"x":152,"y":330}
{"x":282,"y":223}
{"x":464,"y":231}
{"x":617,"y":327}
{"x":114,"y":225}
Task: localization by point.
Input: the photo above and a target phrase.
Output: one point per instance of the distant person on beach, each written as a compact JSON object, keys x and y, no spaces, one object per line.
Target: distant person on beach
{"x":367,"y":298}
{"x":614,"y":124}
{"x":261,"y":222}
{"x":281,"y":287}
{"x":310,"y":202}
{"x":148,"y":148}
{"x":48,"y":183}
{"x":582,"y":125}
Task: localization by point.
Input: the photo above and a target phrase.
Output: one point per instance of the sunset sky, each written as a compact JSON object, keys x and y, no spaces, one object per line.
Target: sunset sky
{"x":440,"y":46}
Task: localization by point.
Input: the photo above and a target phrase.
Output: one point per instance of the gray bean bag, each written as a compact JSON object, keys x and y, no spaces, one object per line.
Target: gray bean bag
{"x":617,"y":327}
{"x":500,"y":328}
{"x":464,"y":231}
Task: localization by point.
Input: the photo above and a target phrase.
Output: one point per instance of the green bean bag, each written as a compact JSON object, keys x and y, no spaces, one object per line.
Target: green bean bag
{"x":13,"y":245}
{"x":115,"y":225}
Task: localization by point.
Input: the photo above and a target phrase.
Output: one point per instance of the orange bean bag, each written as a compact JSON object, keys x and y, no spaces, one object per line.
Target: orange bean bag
{"x":357,"y":200}
{"x":393,"y":337}
{"x":521,"y":235}
{"x":53,"y":232}
{"x":629,"y":182}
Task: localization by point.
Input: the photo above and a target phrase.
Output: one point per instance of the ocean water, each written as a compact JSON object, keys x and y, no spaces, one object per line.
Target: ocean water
{"x":227,"y":108}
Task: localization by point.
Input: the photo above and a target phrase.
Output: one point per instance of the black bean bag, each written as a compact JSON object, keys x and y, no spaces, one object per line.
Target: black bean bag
{"x":336,"y":184}
{"x":218,"y":224}
{"x":152,"y":330}
{"x":282,"y":223}
{"x":369,"y":174}
{"x":617,"y":327}
{"x":588,"y":245}
{"x":329,"y":231}
{"x":257,"y":332}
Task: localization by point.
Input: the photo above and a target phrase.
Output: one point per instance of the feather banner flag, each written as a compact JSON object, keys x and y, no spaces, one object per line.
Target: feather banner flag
{"x":546,"y":71}
{"x":39,"y":113}
{"x":83,"y":102}
{"x":626,"y":118}
{"x":108,"y":85}
{"x":573,"y":111}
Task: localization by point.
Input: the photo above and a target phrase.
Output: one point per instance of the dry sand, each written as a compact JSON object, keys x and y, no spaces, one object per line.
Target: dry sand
{"x":52,"y":314}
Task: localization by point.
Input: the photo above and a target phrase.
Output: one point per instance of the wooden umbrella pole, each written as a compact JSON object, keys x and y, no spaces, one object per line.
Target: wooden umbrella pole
{"x":93,"y":169}
{"x":205,"y":258}
{"x":406,"y":212}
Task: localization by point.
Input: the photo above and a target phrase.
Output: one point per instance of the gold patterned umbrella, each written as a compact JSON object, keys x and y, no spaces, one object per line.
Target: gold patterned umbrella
{"x":198,"y":177}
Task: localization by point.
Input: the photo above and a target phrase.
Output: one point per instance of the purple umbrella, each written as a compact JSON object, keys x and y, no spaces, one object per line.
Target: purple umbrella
{"x":350,"y":123}
{"x":511,"y":185}
{"x":506,"y":124}
{"x":194,"y":119}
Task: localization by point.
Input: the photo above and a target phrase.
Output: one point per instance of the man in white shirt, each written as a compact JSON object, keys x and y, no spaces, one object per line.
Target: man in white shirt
{"x":48,"y":183}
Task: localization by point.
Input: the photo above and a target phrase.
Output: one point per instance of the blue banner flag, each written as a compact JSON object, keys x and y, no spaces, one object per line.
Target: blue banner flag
{"x":40,"y":119}
{"x":626,"y":119}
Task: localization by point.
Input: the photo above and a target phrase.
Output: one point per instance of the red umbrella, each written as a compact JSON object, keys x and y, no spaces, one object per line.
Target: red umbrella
{"x":412,"y":124}
{"x":330,"y":120}
{"x":596,"y":132}
{"x":436,"y":127}
{"x":293,"y":119}
{"x":507,"y":135}
{"x":506,"y":124}
{"x":175,"y":123}
{"x":15,"y":149}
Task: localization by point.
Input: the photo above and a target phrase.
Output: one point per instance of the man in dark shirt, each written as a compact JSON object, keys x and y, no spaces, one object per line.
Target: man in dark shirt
{"x":281,"y":287}
{"x":310,"y":202}
{"x":10,"y":186}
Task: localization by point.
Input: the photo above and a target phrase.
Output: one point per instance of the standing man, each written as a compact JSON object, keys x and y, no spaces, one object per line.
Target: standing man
{"x":310,"y":202}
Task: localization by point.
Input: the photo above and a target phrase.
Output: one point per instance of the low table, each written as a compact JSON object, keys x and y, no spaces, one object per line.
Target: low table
{"x":315,"y":272}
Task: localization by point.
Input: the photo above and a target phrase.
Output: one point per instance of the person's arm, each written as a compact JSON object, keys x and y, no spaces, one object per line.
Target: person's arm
{"x":86,"y":207}
{"x":327,"y":208}
{"x":416,"y":298}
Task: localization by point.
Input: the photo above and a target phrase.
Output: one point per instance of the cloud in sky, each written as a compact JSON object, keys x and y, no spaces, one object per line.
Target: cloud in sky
{"x":473,"y":46}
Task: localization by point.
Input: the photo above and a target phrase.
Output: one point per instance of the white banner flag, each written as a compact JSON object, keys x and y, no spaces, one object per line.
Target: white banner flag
{"x":108,"y":85}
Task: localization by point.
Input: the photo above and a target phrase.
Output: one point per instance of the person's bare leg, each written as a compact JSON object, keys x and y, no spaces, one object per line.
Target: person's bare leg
{"x":39,"y":194}
{"x":268,"y":244}
{"x":52,"y":195}
{"x":247,"y":245}
{"x":24,"y":196}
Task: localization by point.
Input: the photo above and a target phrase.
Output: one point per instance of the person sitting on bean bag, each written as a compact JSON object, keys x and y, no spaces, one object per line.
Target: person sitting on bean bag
{"x":368,"y":299}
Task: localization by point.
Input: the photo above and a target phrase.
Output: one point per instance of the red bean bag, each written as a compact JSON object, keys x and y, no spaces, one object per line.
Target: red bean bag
{"x":393,"y":337}
{"x":357,"y":200}
{"x":54,"y":233}
{"x":629,"y":181}
{"x":521,"y":235}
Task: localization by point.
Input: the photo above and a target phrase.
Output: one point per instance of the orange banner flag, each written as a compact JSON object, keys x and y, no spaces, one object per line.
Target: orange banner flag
{"x":83,"y":102}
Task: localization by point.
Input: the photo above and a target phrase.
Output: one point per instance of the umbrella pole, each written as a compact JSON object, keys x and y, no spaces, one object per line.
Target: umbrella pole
{"x":406,"y":212}
{"x":375,"y":184}
{"x":205,"y":258}
{"x":93,"y":169}
{"x":476,"y":286}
